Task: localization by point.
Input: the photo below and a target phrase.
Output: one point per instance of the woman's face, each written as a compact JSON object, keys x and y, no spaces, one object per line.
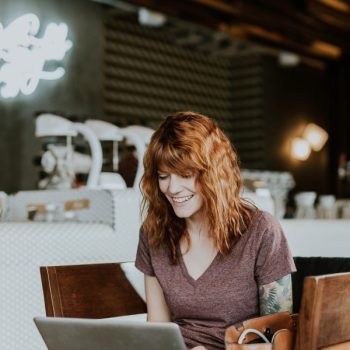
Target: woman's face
{"x":183,"y":193}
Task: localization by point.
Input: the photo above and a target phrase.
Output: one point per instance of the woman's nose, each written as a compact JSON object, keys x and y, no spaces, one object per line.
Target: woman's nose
{"x":174,"y":184}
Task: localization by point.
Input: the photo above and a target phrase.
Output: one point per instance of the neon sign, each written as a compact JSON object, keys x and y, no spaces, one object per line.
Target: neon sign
{"x":23,"y":56}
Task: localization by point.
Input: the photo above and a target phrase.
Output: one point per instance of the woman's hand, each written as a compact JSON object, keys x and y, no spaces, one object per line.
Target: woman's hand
{"x":200,"y":347}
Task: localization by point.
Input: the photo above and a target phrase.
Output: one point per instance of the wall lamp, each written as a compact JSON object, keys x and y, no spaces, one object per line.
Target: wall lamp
{"x":313,"y":138}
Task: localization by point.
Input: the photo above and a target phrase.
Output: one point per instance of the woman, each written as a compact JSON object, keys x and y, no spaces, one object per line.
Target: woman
{"x":210,"y":258}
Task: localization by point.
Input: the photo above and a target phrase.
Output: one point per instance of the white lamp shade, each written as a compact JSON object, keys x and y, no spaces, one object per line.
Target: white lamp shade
{"x":300,"y":149}
{"x":47,"y":124}
{"x":104,"y":131}
{"x":315,"y":136}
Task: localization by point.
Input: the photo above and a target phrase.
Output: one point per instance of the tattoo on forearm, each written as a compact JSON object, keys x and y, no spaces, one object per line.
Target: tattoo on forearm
{"x":276,"y":296}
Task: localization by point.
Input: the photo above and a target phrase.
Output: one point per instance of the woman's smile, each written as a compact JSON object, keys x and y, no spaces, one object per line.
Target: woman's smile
{"x":182,"y":199}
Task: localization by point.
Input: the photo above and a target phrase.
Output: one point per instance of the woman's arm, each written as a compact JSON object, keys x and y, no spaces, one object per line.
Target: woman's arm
{"x":276,"y":296}
{"x":157,"y":309}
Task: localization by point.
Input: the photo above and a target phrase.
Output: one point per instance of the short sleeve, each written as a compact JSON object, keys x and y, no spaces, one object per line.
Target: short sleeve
{"x":143,"y":257}
{"x":274,"y":258}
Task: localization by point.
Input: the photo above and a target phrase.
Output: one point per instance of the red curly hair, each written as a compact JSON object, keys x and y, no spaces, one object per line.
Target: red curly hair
{"x":191,"y":143}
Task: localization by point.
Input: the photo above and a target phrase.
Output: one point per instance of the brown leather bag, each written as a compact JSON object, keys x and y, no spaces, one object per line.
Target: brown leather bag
{"x":278,"y":329}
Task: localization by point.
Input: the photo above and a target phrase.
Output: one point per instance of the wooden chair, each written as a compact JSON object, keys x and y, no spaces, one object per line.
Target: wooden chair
{"x":324,"y":317}
{"x":89,"y":291}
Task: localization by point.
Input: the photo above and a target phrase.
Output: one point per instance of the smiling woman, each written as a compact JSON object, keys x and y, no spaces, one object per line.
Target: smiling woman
{"x":210,"y":258}
{"x":183,"y":193}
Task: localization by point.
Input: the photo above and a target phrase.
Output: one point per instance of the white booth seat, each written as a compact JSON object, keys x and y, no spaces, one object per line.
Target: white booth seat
{"x":25,"y":247}
{"x":311,"y":238}
{"x":107,"y":231}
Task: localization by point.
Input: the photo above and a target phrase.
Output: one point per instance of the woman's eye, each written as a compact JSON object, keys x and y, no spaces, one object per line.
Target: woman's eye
{"x":186,"y":176}
{"x":162,"y":177}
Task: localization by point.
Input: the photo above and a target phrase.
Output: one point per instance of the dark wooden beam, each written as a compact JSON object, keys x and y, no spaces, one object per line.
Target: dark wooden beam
{"x":292,"y":25}
{"x":330,"y":16}
{"x":276,"y":16}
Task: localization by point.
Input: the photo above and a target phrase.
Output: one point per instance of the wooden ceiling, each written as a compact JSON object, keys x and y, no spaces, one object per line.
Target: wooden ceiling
{"x":318,"y":29}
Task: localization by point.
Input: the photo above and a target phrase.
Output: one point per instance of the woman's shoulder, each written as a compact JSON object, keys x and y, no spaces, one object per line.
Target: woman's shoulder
{"x":263,"y":222}
{"x":143,"y":233}
{"x":144,"y":239}
{"x":263,"y":217}
{"x":146,"y":242}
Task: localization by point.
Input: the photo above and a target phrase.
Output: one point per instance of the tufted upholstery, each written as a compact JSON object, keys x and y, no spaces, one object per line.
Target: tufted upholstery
{"x":24,"y":247}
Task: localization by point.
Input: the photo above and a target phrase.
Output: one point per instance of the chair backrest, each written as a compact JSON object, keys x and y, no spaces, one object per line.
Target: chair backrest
{"x":324,"y":316}
{"x":89,"y":291}
{"x":314,"y":266}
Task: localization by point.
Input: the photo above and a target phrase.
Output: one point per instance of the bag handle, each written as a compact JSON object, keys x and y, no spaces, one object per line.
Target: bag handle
{"x":251,"y":330}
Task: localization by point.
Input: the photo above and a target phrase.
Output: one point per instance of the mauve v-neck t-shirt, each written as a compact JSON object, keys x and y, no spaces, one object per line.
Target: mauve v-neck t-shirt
{"x":227,"y":291}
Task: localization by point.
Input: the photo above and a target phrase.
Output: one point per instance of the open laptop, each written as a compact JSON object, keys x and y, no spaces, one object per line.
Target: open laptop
{"x":108,"y":334}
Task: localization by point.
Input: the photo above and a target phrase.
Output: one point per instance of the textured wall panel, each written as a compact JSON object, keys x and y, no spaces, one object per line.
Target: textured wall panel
{"x":148,"y":75}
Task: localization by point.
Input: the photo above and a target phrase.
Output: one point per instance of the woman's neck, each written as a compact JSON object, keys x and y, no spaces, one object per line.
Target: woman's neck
{"x":197,"y":226}
{"x":199,"y":239}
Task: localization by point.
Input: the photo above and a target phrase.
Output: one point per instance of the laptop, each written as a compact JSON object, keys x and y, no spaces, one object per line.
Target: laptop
{"x":108,"y":334}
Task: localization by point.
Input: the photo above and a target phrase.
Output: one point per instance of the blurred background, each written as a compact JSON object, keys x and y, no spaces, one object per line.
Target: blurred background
{"x":264,"y":70}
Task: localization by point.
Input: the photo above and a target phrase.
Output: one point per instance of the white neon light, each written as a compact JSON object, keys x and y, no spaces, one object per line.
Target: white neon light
{"x":23,"y":55}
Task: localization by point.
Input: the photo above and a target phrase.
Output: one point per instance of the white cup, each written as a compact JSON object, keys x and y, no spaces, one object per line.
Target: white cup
{"x":305,"y":205}
{"x":306,"y":199}
{"x":327,"y":201}
{"x":345,"y":212}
